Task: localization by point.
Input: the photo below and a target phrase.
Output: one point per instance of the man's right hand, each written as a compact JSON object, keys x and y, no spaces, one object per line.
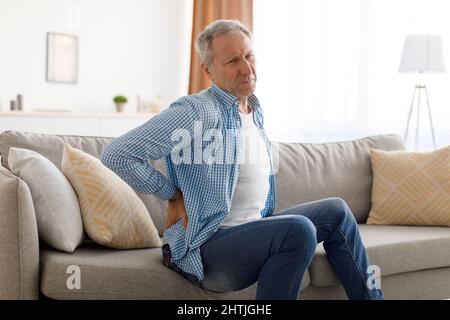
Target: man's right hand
{"x":176,"y":210}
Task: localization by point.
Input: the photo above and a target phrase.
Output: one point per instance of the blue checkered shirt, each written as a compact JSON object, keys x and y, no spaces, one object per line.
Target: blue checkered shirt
{"x":207,"y":185}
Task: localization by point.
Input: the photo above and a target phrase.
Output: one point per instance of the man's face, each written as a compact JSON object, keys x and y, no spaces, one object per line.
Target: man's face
{"x":233,"y":66}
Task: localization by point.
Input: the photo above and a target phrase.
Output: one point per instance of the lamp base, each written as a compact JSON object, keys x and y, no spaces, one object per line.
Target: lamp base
{"x":417,"y":90}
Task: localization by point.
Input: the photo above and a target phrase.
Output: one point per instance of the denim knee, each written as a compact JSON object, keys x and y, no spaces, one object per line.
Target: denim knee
{"x":340,"y":209}
{"x":303,"y":232}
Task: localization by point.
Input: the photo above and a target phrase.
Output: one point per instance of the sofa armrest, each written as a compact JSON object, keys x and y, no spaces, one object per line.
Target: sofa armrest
{"x":19,"y":241}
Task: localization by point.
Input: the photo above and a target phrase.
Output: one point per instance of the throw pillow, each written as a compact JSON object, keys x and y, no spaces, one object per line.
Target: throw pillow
{"x":113,"y":215}
{"x":56,"y":205}
{"x":411,"y":188}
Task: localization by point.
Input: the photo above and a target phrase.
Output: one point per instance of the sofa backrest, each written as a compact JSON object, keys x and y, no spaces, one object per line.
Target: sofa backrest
{"x":306,"y":171}
{"x":313,"y":171}
{"x":51,"y":147}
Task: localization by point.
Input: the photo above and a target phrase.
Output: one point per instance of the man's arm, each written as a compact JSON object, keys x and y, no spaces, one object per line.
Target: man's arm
{"x":128,"y":155}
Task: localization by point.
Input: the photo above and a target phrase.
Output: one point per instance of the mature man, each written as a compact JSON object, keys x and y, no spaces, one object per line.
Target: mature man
{"x":221,"y":232}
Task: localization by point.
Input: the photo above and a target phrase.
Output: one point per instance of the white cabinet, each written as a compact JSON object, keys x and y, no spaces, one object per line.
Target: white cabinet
{"x":67,"y":123}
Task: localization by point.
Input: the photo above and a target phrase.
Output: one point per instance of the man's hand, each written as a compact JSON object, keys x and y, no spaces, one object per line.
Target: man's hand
{"x":176,"y":210}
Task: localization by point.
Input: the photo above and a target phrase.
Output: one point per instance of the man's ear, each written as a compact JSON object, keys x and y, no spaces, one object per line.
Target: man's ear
{"x":207,"y":70}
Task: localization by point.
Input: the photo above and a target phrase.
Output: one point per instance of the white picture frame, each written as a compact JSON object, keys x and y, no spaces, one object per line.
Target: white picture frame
{"x":62,"y":58}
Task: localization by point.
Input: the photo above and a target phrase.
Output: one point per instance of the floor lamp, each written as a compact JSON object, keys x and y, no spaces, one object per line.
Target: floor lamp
{"x":422,"y":54}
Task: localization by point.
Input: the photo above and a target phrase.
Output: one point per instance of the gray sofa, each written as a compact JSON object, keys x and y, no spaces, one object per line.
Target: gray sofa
{"x":414,"y":261}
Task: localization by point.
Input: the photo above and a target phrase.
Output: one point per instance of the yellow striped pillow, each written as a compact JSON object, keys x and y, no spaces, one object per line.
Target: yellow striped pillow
{"x":410,"y":188}
{"x":113,"y":215}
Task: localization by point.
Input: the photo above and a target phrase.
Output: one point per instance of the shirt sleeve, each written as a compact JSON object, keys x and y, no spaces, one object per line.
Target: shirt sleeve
{"x":128,"y":155}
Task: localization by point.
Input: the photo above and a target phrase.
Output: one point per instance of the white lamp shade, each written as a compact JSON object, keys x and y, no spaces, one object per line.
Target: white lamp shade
{"x":422,"y":53}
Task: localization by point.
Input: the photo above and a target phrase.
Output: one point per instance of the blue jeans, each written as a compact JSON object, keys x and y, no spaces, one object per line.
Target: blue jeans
{"x":277,"y":250}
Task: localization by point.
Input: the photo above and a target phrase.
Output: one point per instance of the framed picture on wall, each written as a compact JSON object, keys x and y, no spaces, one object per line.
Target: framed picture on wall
{"x":62,"y":57}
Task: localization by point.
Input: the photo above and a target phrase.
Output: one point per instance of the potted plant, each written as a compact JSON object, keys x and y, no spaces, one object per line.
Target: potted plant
{"x":120,"y":102}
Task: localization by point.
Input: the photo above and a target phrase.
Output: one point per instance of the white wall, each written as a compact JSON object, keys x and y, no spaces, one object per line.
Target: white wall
{"x":127,"y":47}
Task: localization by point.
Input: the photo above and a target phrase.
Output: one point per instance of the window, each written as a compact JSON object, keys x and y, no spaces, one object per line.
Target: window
{"x":328,"y":69}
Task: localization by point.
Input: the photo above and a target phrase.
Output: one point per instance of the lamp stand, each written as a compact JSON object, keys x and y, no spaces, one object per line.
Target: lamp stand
{"x":418,"y":89}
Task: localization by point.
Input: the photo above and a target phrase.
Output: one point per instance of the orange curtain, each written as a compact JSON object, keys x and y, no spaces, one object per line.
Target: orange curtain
{"x":205,"y":12}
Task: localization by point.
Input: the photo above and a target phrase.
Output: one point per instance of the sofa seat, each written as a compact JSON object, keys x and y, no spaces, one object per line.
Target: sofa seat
{"x":395,"y":249}
{"x":121,"y":274}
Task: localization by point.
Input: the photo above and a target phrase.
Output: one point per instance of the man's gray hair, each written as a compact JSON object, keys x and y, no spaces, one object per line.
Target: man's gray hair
{"x":213,"y":30}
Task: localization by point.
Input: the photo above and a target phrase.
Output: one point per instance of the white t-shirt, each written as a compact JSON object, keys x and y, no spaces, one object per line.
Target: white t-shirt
{"x":252,"y":187}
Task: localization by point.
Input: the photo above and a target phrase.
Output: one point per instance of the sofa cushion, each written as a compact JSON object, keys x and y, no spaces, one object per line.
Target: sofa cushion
{"x":121,"y":274}
{"x":411,"y":188}
{"x":51,"y":147}
{"x":395,"y":249}
{"x":431,"y":284}
{"x":55,"y":203}
{"x":313,"y":171}
{"x":113,"y":215}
